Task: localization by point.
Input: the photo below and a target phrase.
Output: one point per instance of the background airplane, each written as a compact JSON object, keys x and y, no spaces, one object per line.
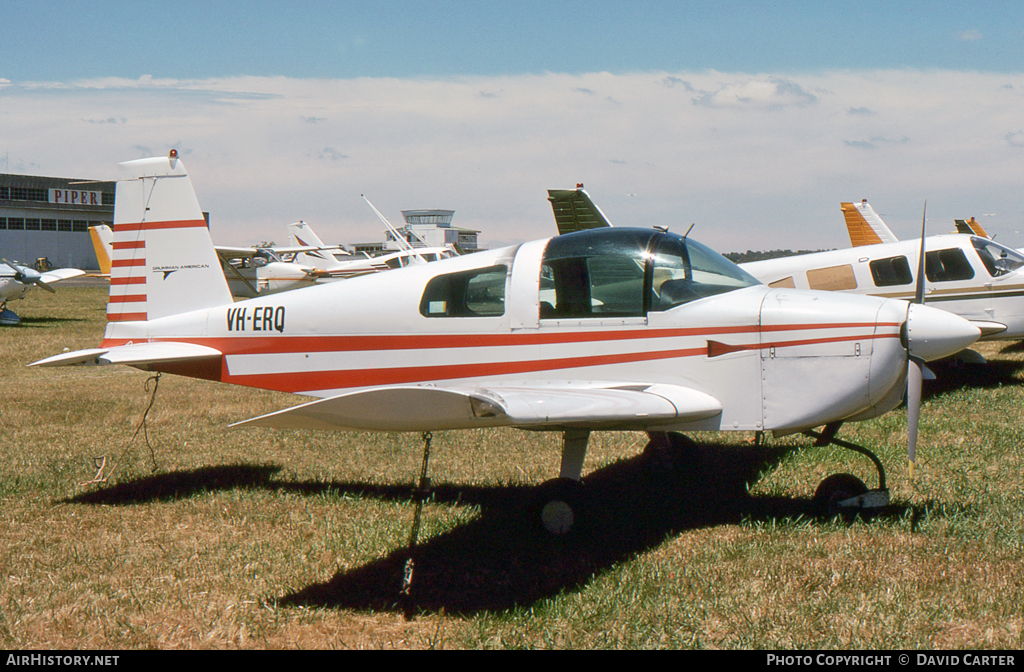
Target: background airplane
{"x":607,"y":329}
{"x":867,"y":228}
{"x":16,"y":280}
{"x":967,"y":274}
{"x":338,"y":266}
{"x":249,"y":271}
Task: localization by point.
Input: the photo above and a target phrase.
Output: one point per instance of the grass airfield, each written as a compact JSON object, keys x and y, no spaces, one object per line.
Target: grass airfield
{"x":208,"y":537}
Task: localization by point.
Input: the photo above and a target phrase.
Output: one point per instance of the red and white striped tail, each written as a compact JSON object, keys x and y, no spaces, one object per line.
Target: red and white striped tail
{"x":164,"y":262}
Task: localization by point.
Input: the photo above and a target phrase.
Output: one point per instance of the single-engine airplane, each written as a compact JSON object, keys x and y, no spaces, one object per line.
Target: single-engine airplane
{"x":351,"y":265}
{"x":610,"y":329}
{"x":249,"y":271}
{"x":16,"y":279}
{"x":969,"y":275}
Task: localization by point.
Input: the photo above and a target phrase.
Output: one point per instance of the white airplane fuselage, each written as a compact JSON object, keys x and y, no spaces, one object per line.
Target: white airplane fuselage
{"x":776,"y":359}
{"x":11,"y":289}
{"x":987,"y":292}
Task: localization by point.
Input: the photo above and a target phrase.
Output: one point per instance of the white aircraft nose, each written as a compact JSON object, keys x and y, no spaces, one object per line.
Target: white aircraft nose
{"x":933,"y":333}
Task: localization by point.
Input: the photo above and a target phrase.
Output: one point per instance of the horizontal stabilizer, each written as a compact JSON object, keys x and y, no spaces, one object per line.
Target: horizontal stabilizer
{"x":574,"y":211}
{"x":423,"y":408}
{"x":138,"y":354}
{"x":865,"y":226}
{"x":970,"y":227}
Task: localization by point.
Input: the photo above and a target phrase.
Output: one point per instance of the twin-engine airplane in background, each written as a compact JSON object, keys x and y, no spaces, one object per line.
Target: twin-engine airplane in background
{"x":16,"y":279}
{"x":966,"y":273}
{"x":607,"y":329}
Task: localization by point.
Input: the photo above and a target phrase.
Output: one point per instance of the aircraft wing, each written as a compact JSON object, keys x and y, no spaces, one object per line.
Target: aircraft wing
{"x":574,"y":211}
{"x":425,"y":408}
{"x":295,"y":249}
{"x":59,"y":274}
{"x":139,"y":354}
{"x":226,"y":252}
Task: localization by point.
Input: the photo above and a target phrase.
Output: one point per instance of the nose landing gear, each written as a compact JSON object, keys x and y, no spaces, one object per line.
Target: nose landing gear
{"x":844,"y":494}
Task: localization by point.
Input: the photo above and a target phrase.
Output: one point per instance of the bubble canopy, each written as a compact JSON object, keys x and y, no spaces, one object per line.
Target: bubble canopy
{"x":618,"y":272}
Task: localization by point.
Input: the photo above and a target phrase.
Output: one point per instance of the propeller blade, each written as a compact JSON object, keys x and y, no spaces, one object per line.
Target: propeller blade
{"x":921,"y":267}
{"x":43,"y":285}
{"x":914,"y":381}
{"x":915,"y":373}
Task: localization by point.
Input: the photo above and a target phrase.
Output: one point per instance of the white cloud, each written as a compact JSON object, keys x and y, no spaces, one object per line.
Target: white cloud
{"x":968,"y":35}
{"x":769,"y":93}
{"x":760,"y":161}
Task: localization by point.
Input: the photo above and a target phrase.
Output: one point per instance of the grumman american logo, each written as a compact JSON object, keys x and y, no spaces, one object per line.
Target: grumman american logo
{"x":167,"y":270}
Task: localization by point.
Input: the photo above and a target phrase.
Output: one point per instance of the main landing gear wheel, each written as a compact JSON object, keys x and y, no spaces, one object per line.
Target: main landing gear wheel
{"x":832,"y":498}
{"x":557,"y":507}
{"x":673,"y":454}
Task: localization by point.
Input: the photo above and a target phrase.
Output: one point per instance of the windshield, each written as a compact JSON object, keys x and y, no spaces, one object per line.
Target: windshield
{"x":998,"y":259}
{"x":685,"y":270}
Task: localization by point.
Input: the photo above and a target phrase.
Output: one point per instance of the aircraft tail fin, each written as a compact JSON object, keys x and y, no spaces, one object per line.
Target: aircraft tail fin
{"x":972,"y":227}
{"x":302,"y":235}
{"x":162,"y":257}
{"x":102,"y":242}
{"x":865,"y":226}
{"x":574,"y":211}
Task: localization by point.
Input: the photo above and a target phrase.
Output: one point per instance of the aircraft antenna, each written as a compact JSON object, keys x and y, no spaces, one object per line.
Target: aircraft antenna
{"x":399,"y":238}
{"x":689,"y":229}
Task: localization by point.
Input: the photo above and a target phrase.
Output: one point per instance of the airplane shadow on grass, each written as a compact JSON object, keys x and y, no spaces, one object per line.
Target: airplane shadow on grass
{"x":498,"y":560}
{"x":950,"y":377}
{"x":28,"y":322}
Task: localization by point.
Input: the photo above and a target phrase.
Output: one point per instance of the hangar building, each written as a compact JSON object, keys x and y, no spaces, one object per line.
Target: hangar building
{"x":50,"y":217}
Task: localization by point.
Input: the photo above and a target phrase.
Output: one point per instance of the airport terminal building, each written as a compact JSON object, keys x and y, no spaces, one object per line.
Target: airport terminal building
{"x":50,"y":217}
{"x":425,"y":228}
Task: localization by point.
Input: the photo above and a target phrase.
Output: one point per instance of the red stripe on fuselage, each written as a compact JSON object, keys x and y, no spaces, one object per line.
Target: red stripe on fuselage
{"x":304,"y":381}
{"x":273,"y":344}
{"x":127,"y":317}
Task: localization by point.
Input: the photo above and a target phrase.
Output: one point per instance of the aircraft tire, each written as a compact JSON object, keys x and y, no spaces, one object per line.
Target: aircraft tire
{"x":556,"y":508}
{"x":835,"y":489}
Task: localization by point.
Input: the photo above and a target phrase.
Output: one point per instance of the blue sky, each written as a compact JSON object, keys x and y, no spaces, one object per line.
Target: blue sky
{"x":752,"y":119}
{"x":184,"y":39}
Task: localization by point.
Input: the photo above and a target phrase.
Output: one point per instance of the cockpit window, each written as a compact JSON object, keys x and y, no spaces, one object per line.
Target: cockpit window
{"x":594,"y":274}
{"x":998,"y":259}
{"x":627,"y":272}
{"x":947,"y":265}
{"x":476,"y":293}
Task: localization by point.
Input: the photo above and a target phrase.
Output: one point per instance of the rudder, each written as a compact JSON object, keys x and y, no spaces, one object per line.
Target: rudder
{"x":163,"y":260}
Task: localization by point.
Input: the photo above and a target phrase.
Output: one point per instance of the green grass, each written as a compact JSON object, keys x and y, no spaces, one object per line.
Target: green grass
{"x":253,"y":538}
